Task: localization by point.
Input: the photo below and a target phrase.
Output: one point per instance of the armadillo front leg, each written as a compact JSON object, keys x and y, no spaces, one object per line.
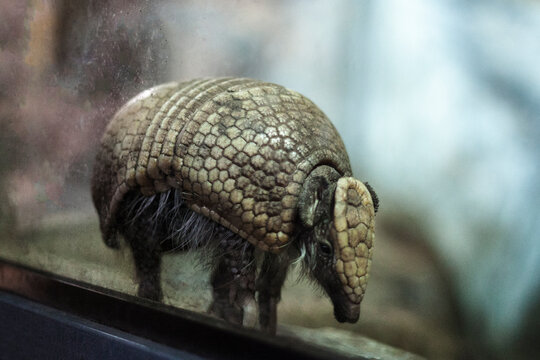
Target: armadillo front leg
{"x":269,"y":283}
{"x":233,"y":280}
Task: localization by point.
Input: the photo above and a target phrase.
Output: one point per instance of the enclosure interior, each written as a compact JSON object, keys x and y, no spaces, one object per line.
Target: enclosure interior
{"x":436,"y":102}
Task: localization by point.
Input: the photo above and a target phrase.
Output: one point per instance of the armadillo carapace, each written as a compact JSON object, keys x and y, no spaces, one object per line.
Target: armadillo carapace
{"x":246,"y":165}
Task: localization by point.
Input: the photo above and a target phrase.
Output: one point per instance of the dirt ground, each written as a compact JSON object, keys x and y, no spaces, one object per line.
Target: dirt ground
{"x":406,"y":304}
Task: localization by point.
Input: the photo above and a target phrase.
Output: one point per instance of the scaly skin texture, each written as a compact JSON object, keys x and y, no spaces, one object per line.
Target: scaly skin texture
{"x":247,"y":160}
{"x":241,"y":148}
{"x":354,"y":216}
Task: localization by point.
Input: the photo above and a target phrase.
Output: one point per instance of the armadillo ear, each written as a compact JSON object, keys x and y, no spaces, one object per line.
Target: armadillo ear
{"x":312,"y":190}
{"x":374,"y":196}
{"x":309,"y":199}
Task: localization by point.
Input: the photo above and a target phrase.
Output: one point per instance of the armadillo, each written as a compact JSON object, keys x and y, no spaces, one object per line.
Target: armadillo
{"x":236,"y":166}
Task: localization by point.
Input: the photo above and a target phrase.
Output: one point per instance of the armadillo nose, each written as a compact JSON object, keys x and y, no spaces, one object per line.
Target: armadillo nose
{"x":347,"y":312}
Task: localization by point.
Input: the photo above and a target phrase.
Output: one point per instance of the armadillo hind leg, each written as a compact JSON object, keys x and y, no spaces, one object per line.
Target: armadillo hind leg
{"x":147,"y":258}
{"x":233,"y":280}
{"x":154,"y":224}
{"x":141,"y":224}
{"x":148,"y":269}
{"x":269,"y":283}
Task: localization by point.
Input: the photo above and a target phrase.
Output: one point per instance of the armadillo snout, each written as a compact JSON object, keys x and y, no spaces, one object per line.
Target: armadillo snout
{"x":347,"y":311}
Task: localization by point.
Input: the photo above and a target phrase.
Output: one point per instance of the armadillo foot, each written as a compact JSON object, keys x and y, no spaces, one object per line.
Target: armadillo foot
{"x":228,"y":312}
{"x":149,"y":290}
{"x":232,"y":300}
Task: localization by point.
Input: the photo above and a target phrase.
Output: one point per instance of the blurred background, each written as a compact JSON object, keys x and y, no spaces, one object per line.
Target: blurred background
{"x":438,"y":103}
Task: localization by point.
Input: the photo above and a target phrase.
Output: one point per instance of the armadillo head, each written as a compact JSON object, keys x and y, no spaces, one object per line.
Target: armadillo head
{"x":340,"y":218}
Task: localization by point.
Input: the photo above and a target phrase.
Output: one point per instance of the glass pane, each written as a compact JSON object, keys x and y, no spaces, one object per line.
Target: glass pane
{"x":435,"y":103}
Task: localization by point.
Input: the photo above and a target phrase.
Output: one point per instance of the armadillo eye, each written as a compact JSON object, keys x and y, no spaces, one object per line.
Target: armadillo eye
{"x":325,"y":248}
